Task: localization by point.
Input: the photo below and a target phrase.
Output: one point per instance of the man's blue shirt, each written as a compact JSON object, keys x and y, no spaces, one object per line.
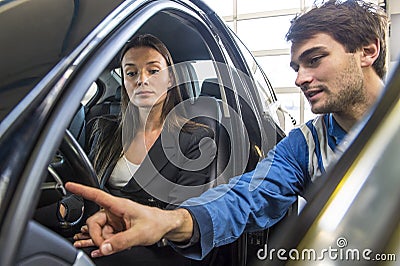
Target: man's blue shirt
{"x":258,"y":199}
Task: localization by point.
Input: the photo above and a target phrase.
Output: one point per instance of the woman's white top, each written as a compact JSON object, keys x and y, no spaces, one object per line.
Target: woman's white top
{"x":122,"y":173}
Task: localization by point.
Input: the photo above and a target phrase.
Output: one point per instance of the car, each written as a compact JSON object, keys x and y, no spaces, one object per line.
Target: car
{"x":60,"y":70}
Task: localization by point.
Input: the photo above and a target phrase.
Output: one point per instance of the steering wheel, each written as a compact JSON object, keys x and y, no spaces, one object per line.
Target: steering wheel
{"x":71,"y":157}
{"x":83,"y":168}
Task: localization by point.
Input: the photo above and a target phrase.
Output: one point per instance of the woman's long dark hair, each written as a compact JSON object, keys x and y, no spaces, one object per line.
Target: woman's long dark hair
{"x":107,"y":140}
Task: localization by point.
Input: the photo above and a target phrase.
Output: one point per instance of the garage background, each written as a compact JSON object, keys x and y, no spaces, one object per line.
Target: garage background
{"x":262,"y":25}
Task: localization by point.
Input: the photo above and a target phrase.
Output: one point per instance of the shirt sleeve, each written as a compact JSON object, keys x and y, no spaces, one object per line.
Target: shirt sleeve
{"x":194,"y":240}
{"x":252,"y":201}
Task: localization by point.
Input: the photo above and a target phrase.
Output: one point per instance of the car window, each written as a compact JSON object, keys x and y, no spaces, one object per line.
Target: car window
{"x":204,"y":70}
{"x":90,"y":94}
{"x":269,"y":101}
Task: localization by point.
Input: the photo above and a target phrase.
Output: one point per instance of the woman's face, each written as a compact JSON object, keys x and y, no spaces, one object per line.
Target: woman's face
{"x":146,"y":76}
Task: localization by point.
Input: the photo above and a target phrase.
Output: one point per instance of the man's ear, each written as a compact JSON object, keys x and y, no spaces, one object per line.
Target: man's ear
{"x":370,"y":53}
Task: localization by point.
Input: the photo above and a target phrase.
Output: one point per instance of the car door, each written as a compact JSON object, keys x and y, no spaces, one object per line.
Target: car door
{"x":37,"y":63}
{"x":32,"y":132}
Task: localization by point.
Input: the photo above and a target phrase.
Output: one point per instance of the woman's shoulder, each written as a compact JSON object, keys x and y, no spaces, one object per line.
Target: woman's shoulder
{"x":197,"y":129}
{"x":102,"y":126}
{"x":105,"y":121}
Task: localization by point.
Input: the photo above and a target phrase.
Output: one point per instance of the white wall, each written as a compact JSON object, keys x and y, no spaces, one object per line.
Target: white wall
{"x":394,"y":6}
{"x":394,"y":41}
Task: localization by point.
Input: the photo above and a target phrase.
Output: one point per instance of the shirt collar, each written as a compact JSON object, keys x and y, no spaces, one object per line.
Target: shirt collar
{"x":334,"y":129}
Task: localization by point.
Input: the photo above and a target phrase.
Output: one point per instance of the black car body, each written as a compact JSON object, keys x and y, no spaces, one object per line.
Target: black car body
{"x":59,"y":68}
{"x":53,"y":52}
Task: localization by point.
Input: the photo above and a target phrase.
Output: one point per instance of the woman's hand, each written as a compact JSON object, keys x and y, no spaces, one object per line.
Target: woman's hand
{"x":83,"y":239}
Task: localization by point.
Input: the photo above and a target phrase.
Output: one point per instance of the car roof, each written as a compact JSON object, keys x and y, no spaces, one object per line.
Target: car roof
{"x":51,"y":30}
{"x":180,"y":38}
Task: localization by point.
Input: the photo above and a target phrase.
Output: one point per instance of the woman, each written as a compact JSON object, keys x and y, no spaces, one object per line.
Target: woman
{"x":149,"y":153}
{"x":151,"y":140}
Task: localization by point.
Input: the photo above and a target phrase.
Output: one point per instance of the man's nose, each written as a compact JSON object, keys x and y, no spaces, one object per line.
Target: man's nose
{"x":303,"y":78}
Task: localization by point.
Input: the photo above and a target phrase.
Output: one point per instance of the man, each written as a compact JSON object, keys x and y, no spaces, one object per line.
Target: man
{"x":338,"y":51}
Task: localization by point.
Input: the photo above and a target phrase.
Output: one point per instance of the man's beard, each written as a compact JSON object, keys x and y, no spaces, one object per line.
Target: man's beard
{"x":350,"y":92}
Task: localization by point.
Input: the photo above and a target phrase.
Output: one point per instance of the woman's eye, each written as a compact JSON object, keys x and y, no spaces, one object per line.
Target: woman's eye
{"x":154,"y":71}
{"x":131,"y":73}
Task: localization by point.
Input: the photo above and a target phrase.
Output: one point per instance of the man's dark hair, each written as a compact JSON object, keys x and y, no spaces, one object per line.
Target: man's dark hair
{"x":353,"y":23}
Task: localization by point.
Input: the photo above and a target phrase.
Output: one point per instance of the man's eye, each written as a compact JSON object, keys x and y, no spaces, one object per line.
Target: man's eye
{"x":315,"y":60}
{"x":295,"y":68}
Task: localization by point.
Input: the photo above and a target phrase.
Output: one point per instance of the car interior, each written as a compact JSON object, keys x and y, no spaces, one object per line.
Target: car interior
{"x":215,"y":93}
{"x":210,"y":99}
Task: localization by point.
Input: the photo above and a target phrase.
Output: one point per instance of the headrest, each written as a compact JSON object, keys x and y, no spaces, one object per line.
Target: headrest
{"x":117,"y":95}
{"x":210,"y":87}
